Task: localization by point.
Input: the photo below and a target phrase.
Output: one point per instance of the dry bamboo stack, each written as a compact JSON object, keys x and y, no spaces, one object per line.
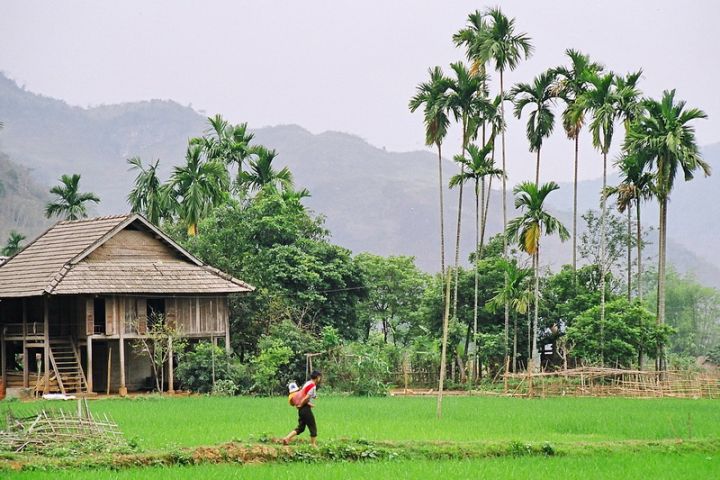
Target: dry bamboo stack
{"x":53,"y":428}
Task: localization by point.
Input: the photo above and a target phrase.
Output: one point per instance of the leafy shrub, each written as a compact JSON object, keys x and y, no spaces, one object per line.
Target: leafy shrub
{"x":266,"y":366}
{"x":195,"y":367}
{"x":225,"y":388}
{"x":714,"y":355}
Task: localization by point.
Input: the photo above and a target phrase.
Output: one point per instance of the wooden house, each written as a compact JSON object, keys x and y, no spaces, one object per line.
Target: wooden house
{"x":75,"y":300}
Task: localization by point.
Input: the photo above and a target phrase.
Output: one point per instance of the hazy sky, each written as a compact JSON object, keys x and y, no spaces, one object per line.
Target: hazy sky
{"x":343,"y":65}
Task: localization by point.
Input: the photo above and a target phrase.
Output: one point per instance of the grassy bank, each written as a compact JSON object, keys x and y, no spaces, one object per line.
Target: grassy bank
{"x":636,"y":466}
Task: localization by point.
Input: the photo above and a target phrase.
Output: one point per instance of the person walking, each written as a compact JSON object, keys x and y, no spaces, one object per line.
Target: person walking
{"x":302,"y":400}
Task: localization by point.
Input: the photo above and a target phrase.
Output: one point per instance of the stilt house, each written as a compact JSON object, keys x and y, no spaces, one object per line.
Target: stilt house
{"x":75,"y":299}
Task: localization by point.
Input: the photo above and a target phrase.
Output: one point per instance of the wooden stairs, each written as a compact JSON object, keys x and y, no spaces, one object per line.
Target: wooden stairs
{"x":66,"y":367}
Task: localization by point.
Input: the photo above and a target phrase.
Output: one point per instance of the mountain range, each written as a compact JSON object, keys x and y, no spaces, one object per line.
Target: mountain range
{"x":373,"y":200}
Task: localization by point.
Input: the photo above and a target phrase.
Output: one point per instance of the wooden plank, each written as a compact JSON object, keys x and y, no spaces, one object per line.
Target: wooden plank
{"x":109,"y":315}
{"x":141,"y":306}
{"x":89,"y":316}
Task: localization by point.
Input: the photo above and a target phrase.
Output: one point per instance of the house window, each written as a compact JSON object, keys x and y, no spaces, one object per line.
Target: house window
{"x":99,"y":315}
{"x":155,"y":310}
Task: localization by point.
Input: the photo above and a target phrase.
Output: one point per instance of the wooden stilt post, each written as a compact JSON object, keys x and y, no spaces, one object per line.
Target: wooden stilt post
{"x":171,"y":368}
{"x":109,"y":370}
{"x":46,"y":343}
{"x":227,"y":329}
{"x":3,"y":360}
{"x":89,"y":368}
{"x":123,"y":389}
{"x":26,"y":360}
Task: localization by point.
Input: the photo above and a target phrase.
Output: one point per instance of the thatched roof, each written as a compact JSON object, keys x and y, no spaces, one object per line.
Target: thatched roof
{"x":122,"y":254}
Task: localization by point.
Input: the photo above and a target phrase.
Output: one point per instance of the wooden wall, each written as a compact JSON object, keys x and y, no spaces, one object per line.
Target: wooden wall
{"x":192,"y":315}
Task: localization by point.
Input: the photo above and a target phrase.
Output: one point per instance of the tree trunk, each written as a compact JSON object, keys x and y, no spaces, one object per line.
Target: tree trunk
{"x":575,"y":190}
{"x":529,"y":335}
{"x":537,"y":168}
{"x":477,"y":259}
{"x":603,"y":214}
{"x":443,"y":355}
{"x":661,"y":276}
{"x":515,"y":344}
{"x":505,"y":242}
{"x":459,"y":221}
{"x":639,"y":249}
{"x":442,"y":211}
{"x":629,"y":253}
{"x":486,"y":207}
{"x":536,"y":358}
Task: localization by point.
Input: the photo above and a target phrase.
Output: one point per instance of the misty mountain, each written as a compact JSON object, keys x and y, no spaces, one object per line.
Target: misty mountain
{"x":373,"y":200}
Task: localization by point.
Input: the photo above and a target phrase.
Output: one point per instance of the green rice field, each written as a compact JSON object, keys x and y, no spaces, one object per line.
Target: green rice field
{"x":593,"y":437}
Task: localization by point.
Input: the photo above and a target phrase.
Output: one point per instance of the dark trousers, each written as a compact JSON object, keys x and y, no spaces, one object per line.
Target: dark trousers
{"x":306,"y":419}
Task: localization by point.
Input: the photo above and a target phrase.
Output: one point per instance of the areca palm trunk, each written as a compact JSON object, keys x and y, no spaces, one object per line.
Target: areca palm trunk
{"x":443,"y":355}
{"x":639,"y":248}
{"x":603,"y":214}
{"x":459,"y":220}
{"x":536,"y":355}
{"x":629,"y":253}
{"x":515,"y":343}
{"x":661,"y":276}
{"x":442,"y":210}
{"x":477,"y":258}
{"x":505,"y":242}
{"x":486,"y":208}
{"x":537,"y":168}
{"x":575,"y":196}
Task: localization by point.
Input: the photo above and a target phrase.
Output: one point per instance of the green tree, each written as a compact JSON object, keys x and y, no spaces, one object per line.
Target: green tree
{"x":394,"y":286}
{"x":477,"y":165}
{"x":432,"y":95}
{"x":601,"y":99}
{"x":634,"y":187}
{"x":516,"y":292}
{"x":280,"y":249}
{"x":197,"y":187}
{"x":149,"y":196}
{"x":629,"y":330}
{"x":572,"y":83}
{"x":261,"y":174}
{"x":70,"y":203}
{"x":528,"y":229}
{"x":664,"y":138}
{"x":226,"y":143}
{"x":13,"y":244}
{"x":501,"y":45}
{"x":540,"y":96}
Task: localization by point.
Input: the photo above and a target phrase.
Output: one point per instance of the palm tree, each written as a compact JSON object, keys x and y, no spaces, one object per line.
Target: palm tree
{"x":635,"y":186}
{"x":628,"y":95}
{"x":664,"y":139}
{"x":226,"y":143}
{"x":197,"y":187}
{"x":498,"y":43}
{"x":13,"y":244}
{"x":572,"y":84}
{"x":516,"y":293}
{"x":601,"y":99}
{"x":476,"y":166}
{"x":464,"y":100}
{"x":541,"y":121}
{"x":527,"y":231}
{"x":261,"y":174}
{"x":433,"y":95}
{"x":148,"y":196}
{"x":69,"y":203}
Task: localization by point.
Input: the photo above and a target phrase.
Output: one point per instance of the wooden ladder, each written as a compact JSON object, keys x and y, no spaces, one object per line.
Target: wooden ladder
{"x":65,"y":361}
